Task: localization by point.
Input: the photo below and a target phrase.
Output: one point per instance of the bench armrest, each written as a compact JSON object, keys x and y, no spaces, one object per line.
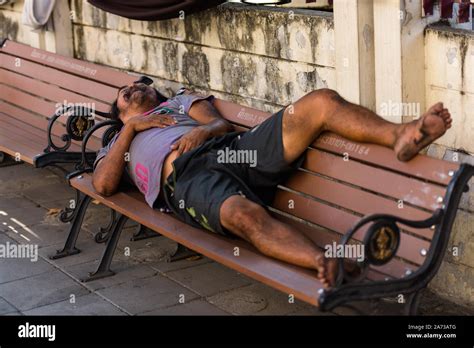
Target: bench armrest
{"x":80,"y":120}
{"x":85,"y":166}
{"x":385,"y":234}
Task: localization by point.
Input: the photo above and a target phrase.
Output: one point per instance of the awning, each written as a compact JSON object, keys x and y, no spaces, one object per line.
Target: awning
{"x":153,"y":10}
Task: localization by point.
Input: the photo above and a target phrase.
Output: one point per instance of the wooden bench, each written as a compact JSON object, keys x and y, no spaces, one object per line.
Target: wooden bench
{"x":34,"y":87}
{"x":34,"y":127}
{"x":345,"y":192}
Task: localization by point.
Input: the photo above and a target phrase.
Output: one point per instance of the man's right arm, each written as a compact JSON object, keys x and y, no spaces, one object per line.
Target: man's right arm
{"x":109,"y":170}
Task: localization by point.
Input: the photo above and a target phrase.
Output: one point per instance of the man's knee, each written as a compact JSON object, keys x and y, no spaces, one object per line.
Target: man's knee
{"x":326,"y":97}
{"x":242,"y":215}
{"x":323,"y":104}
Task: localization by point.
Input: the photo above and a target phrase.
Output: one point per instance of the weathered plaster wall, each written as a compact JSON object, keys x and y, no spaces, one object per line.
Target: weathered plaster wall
{"x":11,"y":27}
{"x":449,"y":68}
{"x":265,"y":60}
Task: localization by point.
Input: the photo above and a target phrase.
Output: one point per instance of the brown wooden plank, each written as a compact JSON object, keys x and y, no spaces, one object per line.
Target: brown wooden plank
{"x":341,"y":222}
{"x":48,"y":91}
{"x":421,"y":166}
{"x":13,"y":144}
{"x":73,"y":83}
{"x":35,"y":104}
{"x":241,"y":115}
{"x":41,"y":122}
{"x":39,"y":136}
{"x":351,"y":198}
{"x":25,"y":100}
{"x":70,"y":65}
{"x":410,"y":190}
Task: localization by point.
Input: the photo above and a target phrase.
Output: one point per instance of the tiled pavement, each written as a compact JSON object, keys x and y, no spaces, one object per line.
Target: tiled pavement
{"x":145,"y":284}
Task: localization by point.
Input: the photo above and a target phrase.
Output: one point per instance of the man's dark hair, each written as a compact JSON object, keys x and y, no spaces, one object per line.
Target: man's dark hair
{"x":115,"y":112}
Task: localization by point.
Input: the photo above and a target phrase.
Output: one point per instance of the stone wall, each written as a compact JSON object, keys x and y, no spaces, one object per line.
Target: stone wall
{"x":265,"y":59}
{"x":449,"y":64}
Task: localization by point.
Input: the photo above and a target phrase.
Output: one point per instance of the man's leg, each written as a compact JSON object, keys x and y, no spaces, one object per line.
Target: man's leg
{"x":324,"y":110}
{"x":273,"y":238}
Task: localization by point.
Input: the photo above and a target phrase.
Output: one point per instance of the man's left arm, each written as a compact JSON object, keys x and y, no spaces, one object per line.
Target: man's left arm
{"x":212,"y":125}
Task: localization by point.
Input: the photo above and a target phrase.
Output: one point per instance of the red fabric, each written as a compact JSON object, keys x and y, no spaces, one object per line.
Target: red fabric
{"x":447,"y":9}
{"x":428,"y":7}
{"x":464,"y":11}
{"x":151,"y":10}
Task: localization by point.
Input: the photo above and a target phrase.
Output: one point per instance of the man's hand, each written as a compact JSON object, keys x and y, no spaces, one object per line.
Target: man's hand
{"x":191,"y":140}
{"x":141,"y":123}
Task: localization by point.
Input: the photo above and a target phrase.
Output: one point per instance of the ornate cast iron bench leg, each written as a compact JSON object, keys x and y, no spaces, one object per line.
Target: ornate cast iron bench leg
{"x":103,"y":270}
{"x":77,"y":216}
{"x":413,"y":301}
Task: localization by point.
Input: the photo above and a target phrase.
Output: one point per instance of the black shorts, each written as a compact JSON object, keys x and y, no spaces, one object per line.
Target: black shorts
{"x":248,"y":163}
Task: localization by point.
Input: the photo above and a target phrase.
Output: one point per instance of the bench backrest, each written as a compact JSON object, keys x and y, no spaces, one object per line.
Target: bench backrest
{"x":34,"y":81}
{"x":341,"y":181}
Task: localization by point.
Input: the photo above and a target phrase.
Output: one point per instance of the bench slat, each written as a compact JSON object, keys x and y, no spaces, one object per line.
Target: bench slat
{"x":11,"y":144}
{"x":341,"y":221}
{"x":46,"y":91}
{"x":41,"y":123}
{"x":410,"y":190}
{"x":350,"y":198}
{"x":35,"y":104}
{"x":91,"y":71}
{"x":19,"y":128}
{"x":73,"y":83}
{"x":424,"y":167}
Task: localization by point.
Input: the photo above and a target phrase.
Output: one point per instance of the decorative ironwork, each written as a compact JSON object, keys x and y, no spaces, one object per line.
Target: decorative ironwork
{"x":104,"y":232}
{"x":381,"y":242}
{"x":77,"y":126}
{"x":410,"y":284}
{"x":77,"y":217}
{"x":68,"y":213}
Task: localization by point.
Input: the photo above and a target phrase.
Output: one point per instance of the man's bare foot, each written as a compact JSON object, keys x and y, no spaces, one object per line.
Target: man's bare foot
{"x":416,"y":135}
{"x":328,"y":271}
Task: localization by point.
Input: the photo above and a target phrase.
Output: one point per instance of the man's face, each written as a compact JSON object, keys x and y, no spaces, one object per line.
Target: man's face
{"x":136,"y":97}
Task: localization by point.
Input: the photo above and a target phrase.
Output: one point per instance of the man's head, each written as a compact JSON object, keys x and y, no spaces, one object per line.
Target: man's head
{"x":134,"y":100}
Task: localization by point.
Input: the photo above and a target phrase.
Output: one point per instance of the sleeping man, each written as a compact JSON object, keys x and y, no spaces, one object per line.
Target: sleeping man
{"x":179,"y":151}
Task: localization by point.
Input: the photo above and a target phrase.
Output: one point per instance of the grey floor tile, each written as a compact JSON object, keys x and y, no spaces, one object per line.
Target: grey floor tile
{"x":6,"y":307}
{"x":40,"y":290}
{"x":90,"y":251}
{"x":13,"y":268}
{"x":209,"y":278}
{"x":142,"y":295}
{"x":256,"y":299}
{"x":196,"y":307}
{"x":124,"y":272}
{"x":49,"y":192}
{"x":89,"y":304}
